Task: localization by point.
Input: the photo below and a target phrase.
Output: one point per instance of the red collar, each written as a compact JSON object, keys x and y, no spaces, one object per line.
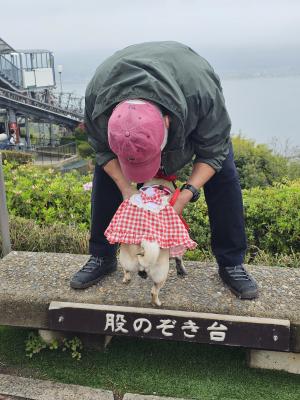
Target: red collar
{"x":161,"y":175}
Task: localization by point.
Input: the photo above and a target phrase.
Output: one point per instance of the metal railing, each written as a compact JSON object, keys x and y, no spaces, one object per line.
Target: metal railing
{"x":19,"y":98}
{"x":10,"y":72}
{"x":50,"y":154}
{"x":44,"y":142}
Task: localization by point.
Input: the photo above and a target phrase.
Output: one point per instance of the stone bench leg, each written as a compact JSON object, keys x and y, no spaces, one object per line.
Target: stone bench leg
{"x":278,"y":360}
{"x":89,"y":340}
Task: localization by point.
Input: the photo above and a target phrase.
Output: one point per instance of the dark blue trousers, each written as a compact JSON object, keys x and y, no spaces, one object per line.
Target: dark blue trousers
{"x":225,"y":208}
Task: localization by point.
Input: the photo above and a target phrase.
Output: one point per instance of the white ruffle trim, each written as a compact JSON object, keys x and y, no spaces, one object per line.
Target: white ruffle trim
{"x":136,"y":200}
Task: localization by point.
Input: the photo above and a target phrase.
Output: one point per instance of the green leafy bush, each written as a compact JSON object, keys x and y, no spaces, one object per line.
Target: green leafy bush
{"x":67,"y":139}
{"x":61,"y":207}
{"x":294,"y":169}
{"x":272,"y":217}
{"x":47,"y":196}
{"x":257,"y":165}
{"x":83,"y":147}
{"x":16,"y":157}
{"x":35,"y":344}
{"x":85,"y":150}
{"x":197,"y":218}
{"x":80,"y":134}
{"x":28,"y":235}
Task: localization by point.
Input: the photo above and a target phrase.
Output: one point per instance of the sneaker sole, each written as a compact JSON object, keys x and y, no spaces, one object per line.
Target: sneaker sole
{"x":245,"y":296}
{"x":77,"y":285}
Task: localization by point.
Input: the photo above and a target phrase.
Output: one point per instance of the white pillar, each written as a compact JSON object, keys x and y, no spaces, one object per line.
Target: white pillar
{"x":4,"y":224}
{"x":278,"y":360}
{"x":27,"y":132}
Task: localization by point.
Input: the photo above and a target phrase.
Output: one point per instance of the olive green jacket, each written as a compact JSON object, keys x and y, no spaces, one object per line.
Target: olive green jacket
{"x":180,"y":81}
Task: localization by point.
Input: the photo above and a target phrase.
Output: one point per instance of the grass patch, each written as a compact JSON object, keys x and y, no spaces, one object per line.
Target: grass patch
{"x":163,"y":368}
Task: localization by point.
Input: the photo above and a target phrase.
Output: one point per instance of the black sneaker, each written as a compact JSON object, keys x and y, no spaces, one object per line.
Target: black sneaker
{"x":93,"y":271}
{"x":239,"y":282}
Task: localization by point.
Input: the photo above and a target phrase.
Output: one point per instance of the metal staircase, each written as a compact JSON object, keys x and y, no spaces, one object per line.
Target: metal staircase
{"x":10,"y":74}
{"x":37,"y":109}
{"x":24,"y":76}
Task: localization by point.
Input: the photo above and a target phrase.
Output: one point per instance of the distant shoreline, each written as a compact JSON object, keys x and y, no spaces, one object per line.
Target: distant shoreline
{"x":261,"y":107}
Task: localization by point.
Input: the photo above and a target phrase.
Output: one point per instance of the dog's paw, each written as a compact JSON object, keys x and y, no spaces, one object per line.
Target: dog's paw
{"x":156,"y":302}
{"x":126,"y":278}
{"x":182,"y":273}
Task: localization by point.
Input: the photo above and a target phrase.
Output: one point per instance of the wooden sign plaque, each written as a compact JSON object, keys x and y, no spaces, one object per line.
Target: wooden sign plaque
{"x":151,"y":323}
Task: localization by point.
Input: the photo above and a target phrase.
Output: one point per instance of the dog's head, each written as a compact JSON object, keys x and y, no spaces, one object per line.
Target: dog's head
{"x":160,"y":182}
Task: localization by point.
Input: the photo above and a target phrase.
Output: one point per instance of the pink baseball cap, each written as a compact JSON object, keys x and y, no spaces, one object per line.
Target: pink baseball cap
{"x":136,"y":134}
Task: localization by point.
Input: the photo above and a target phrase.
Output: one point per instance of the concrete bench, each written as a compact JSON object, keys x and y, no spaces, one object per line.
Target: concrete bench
{"x":35,"y":292}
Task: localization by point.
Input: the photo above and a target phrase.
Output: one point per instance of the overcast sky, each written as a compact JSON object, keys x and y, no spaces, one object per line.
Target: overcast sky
{"x":238,"y":37}
{"x":266,"y":31}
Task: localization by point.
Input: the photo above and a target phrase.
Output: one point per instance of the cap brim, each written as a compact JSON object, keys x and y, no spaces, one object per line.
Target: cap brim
{"x":141,"y":172}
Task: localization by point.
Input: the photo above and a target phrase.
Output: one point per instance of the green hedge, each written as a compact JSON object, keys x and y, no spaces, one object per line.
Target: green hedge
{"x":80,"y":134}
{"x":272,"y":214}
{"x":85,"y":150}
{"x":16,"y":157}
{"x":257,"y":165}
{"x":272,"y":217}
{"x":67,"y":139}
{"x":47,"y":196}
{"x":27,"y":235}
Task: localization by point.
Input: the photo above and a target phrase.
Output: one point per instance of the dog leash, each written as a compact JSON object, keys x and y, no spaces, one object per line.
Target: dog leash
{"x":172,"y":201}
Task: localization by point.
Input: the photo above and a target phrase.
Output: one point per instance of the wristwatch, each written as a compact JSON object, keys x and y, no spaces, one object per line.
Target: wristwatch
{"x":196,"y":193}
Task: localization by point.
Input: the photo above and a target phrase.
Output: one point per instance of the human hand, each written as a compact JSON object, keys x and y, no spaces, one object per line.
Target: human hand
{"x":128,"y":191}
{"x":113,"y":169}
{"x":182,"y":200}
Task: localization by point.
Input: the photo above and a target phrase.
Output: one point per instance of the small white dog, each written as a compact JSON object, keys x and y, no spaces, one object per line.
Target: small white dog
{"x":149,"y":257}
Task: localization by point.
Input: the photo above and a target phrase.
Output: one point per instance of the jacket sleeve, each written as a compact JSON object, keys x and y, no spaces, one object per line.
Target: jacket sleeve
{"x":211,"y":136}
{"x":97,"y":138}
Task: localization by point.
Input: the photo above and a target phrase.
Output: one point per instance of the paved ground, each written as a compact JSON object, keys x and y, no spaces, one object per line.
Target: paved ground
{"x":130,"y":396}
{"x":5,"y":397}
{"x":15,"y":388}
{"x":30,"y":281}
{"x":36,"y":389}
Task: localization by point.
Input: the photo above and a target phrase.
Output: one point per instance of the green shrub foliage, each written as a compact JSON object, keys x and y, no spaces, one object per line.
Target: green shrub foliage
{"x":28,"y":235}
{"x":85,"y":150}
{"x":80,"y":135}
{"x":16,"y":157}
{"x":257,"y":165}
{"x":58,"y":201}
{"x":67,"y":139}
{"x":47,"y":196}
{"x":272,"y":217}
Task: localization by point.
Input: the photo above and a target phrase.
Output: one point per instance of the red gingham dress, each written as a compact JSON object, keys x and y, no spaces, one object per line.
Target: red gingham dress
{"x":148,"y":216}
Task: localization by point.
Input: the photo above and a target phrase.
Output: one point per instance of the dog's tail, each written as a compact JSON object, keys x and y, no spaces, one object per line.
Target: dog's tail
{"x":151,"y":253}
